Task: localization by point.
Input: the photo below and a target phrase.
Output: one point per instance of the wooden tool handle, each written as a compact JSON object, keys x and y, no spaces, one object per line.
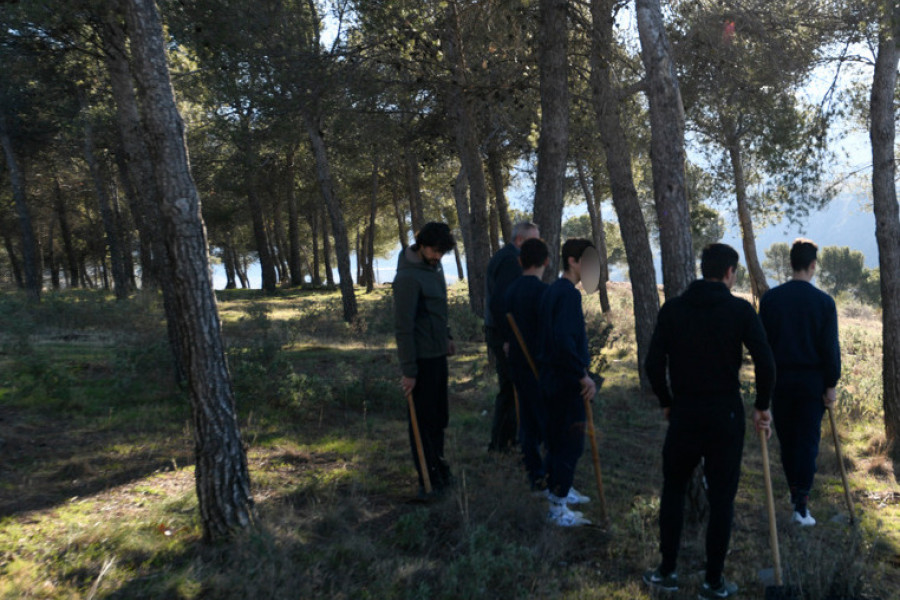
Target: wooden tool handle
{"x":423,"y":466}
{"x":518,"y":334}
{"x":840,"y":459}
{"x":770,"y":504}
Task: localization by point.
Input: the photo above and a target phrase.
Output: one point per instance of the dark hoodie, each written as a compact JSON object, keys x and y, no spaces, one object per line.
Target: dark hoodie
{"x":699,"y":335}
{"x":420,"y":311}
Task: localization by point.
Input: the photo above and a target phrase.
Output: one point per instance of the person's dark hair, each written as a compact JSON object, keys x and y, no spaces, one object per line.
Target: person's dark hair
{"x":574,"y":248}
{"x":803,"y":252}
{"x":716,"y":259}
{"x":436,"y":235}
{"x":533,"y":253}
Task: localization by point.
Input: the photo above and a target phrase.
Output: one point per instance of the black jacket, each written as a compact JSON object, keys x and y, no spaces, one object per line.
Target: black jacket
{"x":700,"y":336}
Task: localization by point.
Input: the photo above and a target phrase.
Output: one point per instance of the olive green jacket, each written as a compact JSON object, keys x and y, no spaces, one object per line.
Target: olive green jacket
{"x":420,"y":311}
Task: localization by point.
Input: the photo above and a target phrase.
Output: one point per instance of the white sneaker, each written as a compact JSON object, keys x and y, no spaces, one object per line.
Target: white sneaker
{"x":561,"y":515}
{"x":804,"y":521}
{"x":574,"y":497}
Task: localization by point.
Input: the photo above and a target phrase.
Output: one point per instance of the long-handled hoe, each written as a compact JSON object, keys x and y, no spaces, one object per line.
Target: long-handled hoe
{"x":777,"y":591}
{"x":840,"y":458}
{"x":587,"y":409}
{"x":423,"y":466}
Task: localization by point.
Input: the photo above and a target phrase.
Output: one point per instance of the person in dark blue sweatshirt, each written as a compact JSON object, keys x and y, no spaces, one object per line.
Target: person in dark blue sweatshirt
{"x":694,"y":364}
{"x":522,"y":301}
{"x":801,"y":322}
{"x":562,"y":353}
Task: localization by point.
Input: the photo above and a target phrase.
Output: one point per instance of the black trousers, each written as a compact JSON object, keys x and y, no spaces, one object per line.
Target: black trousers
{"x":433,"y":415}
{"x":565,"y":429}
{"x":714,"y":433}
{"x":797,"y":411}
{"x":532,"y":424}
{"x":503,"y":428}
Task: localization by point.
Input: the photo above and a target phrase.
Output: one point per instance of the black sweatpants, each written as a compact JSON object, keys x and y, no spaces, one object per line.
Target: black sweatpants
{"x":797,"y":411}
{"x":566,"y":425}
{"x":503,"y":428}
{"x":432,"y":412}
{"x":532,"y":424}
{"x":715,"y":433}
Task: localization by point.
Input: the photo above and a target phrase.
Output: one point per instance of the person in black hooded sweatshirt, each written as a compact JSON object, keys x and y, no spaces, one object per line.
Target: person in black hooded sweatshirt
{"x":698,"y":342}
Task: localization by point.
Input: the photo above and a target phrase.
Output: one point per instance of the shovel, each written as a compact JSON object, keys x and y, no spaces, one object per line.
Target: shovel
{"x":777,"y":591}
{"x":840,"y":458}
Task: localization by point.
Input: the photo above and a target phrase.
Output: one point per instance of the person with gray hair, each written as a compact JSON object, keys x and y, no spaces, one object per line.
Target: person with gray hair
{"x":502,"y":270}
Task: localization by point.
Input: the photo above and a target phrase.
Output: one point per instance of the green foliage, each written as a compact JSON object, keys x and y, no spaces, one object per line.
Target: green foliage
{"x":869,"y":288}
{"x":840,"y":269}
{"x":777,"y":264}
{"x":580,"y":227}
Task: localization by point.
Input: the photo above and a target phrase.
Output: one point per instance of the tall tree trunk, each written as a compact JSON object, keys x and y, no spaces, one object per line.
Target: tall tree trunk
{"x":222,"y":478}
{"x":666,"y":150}
{"x":597,"y":232}
{"x":51,"y":256}
{"x":460,"y":274}
{"x":280,"y":244}
{"x":758,"y":282}
{"x":553,"y":145}
{"x":401,"y":221}
{"x":335,"y":212}
{"x":120,"y":279}
{"x":124,"y":229}
{"x":14,"y":261}
{"x":326,"y":252}
{"x":293,"y":225}
{"x":370,"y":239}
{"x":266,"y":260}
{"x":493,"y":226}
{"x":65,"y":231}
{"x":30,"y":254}
{"x":314,"y":225}
{"x":624,"y":195}
{"x":887,"y":215}
{"x":414,"y":189}
{"x":495,"y":169}
{"x":478,"y":251}
{"x":240,"y":267}
{"x":461,"y":198}
{"x":228,"y":262}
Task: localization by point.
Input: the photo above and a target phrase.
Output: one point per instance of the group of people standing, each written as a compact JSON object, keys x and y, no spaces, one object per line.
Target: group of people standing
{"x":693,"y":365}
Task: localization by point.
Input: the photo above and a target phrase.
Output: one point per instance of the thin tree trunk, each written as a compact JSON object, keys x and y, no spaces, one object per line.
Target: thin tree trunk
{"x":758,"y":282}
{"x":460,"y":274}
{"x":414,"y":189}
{"x":294,"y":261}
{"x":666,"y":150}
{"x":370,"y":239}
{"x":597,"y":232}
{"x":401,"y":221}
{"x":882,"y":134}
{"x":280,"y":244}
{"x":266,"y":260}
{"x":478,"y":250}
{"x":30,"y":254}
{"x":14,"y":262}
{"x":553,"y":145}
{"x":120,"y":280}
{"x":495,"y":169}
{"x":51,"y":256}
{"x":64,"y":230}
{"x":461,"y":198}
{"x":222,"y":478}
{"x":240,"y":267}
{"x":493,"y":227}
{"x":624,"y":195}
{"x":314,"y":225}
{"x":228,"y":263}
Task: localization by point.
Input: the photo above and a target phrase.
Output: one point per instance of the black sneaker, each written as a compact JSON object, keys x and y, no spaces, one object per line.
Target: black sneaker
{"x":725,"y":589}
{"x":666,"y":583}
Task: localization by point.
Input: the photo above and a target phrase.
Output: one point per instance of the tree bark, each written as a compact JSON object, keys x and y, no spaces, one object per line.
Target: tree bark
{"x":30,"y":254}
{"x":120,"y":280}
{"x":553,"y":145}
{"x":493,"y":226}
{"x":401,"y":221}
{"x":758,"y":282}
{"x":597,"y":232}
{"x":65,"y":231}
{"x":666,"y":150}
{"x":52,"y":263}
{"x":478,"y":250}
{"x":14,"y":262}
{"x":882,"y":134}
{"x":414,"y":189}
{"x":370,"y":239}
{"x":222,"y":478}
{"x":624,"y":195}
{"x":335,"y":212}
{"x":495,"y":169}
{"x":228,"y":262}
{"x":314,"y":225}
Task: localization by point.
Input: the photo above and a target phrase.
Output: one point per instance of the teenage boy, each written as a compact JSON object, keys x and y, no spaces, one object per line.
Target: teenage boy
{"x":423,"y":344}
{"x":694,"y":364}
{"x":522,"y":301}
{"x":562,"y":353}
{"x":801,"y":322}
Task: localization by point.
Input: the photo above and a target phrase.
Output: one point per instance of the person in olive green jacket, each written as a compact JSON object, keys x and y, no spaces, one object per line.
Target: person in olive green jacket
{"x":423,"y":344}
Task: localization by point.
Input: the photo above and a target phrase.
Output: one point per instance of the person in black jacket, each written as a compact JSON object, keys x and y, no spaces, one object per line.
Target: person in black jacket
{"x":522,"y":302}
{"x":698,"y":342}
{"x":502,"y":270}
{"x":802,"y":326}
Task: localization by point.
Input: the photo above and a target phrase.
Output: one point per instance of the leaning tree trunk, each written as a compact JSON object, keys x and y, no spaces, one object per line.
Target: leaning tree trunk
{"x":887,"y":218}
{"x":553,"y":145}
{"x":341,"y":242}
{"x":30,"y":254}
{"x":326,"y":251}
{"x":495,"y":168}
{"x":598,"y":234}
{"x":624,"y":195}
{"x":666,"y":150}
{"x":478,"y":252}
{"x":222,"y":478}
{"x":121,"y":282}
{"x":758,"y":282}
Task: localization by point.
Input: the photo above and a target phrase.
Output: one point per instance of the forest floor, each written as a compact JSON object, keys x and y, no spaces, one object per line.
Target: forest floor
{"x":97,"y":494}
